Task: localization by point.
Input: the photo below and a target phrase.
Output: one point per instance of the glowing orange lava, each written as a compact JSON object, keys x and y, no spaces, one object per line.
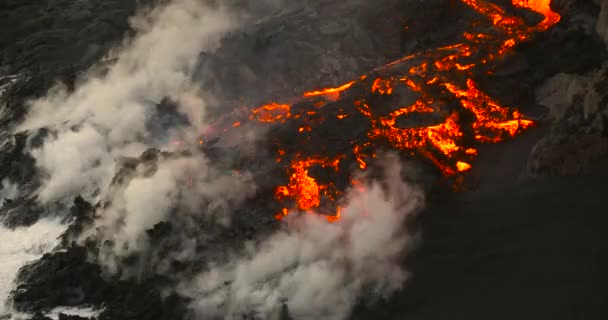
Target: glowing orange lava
{"x":273,"y":112}
{"x":304,"y":189}
{"x":463,"y":166}
{"x":382,"y":86}
{"x":446,"y":70}
{"x":330,"y":91}
{"x":543,"y":7}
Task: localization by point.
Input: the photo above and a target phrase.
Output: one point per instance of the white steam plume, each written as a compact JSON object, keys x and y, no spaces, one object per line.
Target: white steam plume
{"x":104,"y":118}
{"x":318,"y":269}
{"x":106,"y":114}
{"x":157,"y":190}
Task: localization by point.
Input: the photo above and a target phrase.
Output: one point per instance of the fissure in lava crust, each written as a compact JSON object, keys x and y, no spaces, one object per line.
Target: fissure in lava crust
{"x":435,"y":77}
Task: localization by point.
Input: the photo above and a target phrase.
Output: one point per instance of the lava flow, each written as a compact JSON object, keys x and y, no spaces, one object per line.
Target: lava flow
{"x":436,"y":76}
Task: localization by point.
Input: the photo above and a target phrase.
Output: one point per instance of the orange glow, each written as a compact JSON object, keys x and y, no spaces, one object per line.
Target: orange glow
{"x":492,"y":119}
{"x":382,"y":86}
{"x":411,"y":84}
{"x":443,"y":136}
{"x":543,"y":7}
{"x":433,"y":75}
{"x":463,"y":166}
{"x":236,"y":124}
{"x":304,"y":189}
{"x":272,"y":112}
{"x":328,"y":91}
{"x":360,"y":156}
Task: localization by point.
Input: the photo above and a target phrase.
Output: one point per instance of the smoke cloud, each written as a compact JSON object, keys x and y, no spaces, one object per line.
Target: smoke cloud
{"x":163,"y":190}
{"x":318,"y":269}
{"x":105,"y":118}
{"x":106,"y":115}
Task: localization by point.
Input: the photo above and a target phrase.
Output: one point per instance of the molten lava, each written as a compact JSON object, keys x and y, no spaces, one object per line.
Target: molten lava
{"x":442,"y":70}
{"x":330,"y":91}
{"x":272,"y":112}
{"x":305,"y":190}
{"x":543,"y":7}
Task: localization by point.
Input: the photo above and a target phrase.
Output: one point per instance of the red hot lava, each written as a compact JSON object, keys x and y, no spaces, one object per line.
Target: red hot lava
{"x":443,"y":143}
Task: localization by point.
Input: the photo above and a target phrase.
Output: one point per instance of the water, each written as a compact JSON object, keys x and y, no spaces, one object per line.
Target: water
{"x":23,"y":245}
{"x":54,"y":314}
{"x":82,"y":312}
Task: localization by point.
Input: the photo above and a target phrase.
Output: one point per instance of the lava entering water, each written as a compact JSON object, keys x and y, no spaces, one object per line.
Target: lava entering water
{"x":435,"y":75}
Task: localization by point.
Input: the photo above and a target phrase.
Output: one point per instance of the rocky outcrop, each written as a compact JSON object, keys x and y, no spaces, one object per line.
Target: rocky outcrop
{"x":578,"y":140}
{"x":316,"y":44}
{"x":576,"y":101}
{"x":56,"y":41}
{"x":60,"y":34}
{"x":64,"y":278}
{"x":602,"y":21}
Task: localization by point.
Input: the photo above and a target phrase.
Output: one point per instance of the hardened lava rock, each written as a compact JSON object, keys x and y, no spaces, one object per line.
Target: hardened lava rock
{"x":65,"y":278}
{"x":578,"y":140}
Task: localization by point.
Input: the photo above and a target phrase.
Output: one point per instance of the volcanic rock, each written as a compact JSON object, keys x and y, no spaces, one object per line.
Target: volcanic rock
{"x":63,"y":316}
{"x":65,"y":278}
{"x":82,"y":215}
{"x":40,"y":316}
{"x":55,"y":41}
{"x":61,"y":33}
{"x":21,"y":212}
{"x":332,"y":43}
{"x":602,"y":21}
{"x":569,"y":155}
{"x":59,"y":279}
{"x":578,"y":141}
{"x":16,"y":164}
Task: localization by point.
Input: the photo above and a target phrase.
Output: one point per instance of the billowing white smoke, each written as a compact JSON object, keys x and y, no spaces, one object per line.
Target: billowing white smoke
{"x":319,"y":269}
{"x":179,"y":186}
{"x":106,"y":114}
{"x":105,"y":118}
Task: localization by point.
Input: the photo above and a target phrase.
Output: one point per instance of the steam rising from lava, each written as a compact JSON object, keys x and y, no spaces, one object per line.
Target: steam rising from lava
{"x":319,"y":269}
{"x":106,"y":115}
{"x":104,"y":120}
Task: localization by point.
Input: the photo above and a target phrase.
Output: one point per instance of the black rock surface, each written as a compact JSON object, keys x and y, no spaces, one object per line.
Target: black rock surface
{"x":65,"y":278}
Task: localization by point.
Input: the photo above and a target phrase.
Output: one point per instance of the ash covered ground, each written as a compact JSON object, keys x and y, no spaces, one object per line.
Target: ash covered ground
{"x":171,"y":159}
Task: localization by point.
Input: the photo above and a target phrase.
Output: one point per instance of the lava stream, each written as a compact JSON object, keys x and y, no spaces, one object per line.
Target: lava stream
{"x":445,"y":144}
